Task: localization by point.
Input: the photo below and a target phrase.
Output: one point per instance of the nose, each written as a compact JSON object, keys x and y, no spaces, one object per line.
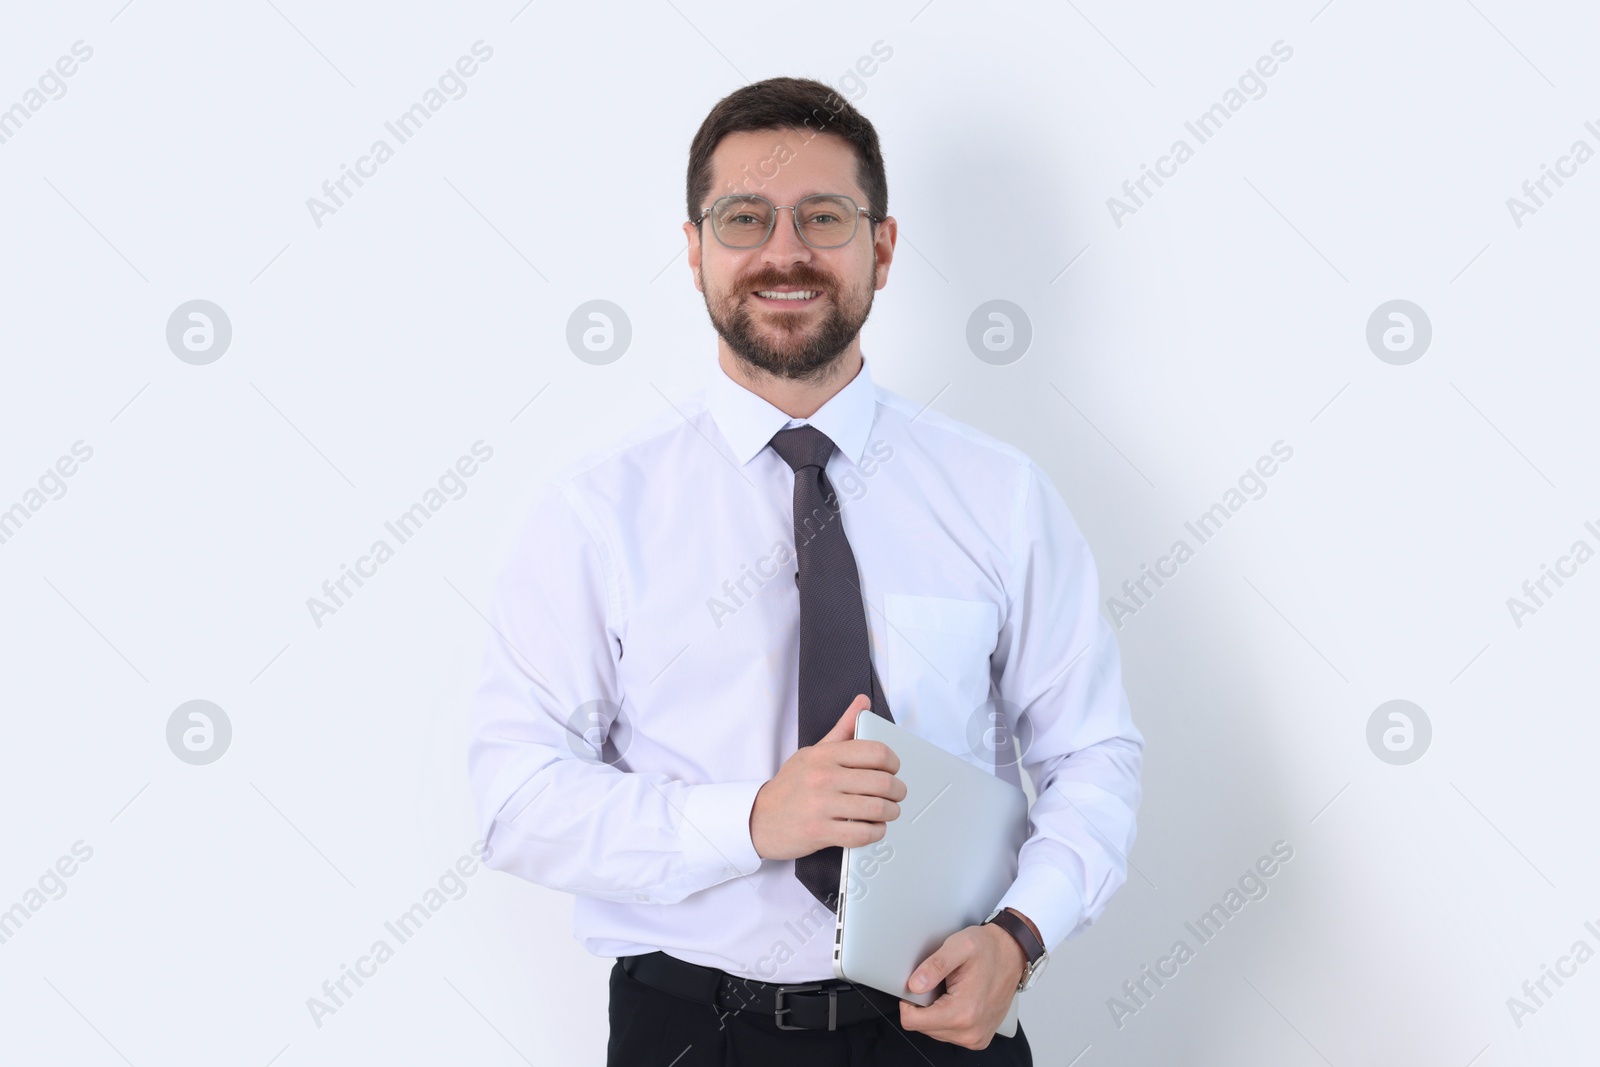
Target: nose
{"x":784,"y":245}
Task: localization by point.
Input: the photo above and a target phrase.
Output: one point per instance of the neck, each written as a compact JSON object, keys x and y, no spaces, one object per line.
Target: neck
{"x":799,"y":399}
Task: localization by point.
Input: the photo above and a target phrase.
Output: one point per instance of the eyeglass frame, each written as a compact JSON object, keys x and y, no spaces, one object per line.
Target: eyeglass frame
{"x":772,"y":223}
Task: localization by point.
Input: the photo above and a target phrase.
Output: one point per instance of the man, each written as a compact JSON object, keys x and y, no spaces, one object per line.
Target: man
{"x":693,"y":618}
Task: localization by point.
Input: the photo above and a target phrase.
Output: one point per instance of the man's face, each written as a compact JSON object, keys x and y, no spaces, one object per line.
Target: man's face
{"x":797,"y":339}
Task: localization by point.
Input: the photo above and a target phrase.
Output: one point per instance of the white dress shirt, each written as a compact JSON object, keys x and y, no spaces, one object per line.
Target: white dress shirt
{"x":642,"y":676}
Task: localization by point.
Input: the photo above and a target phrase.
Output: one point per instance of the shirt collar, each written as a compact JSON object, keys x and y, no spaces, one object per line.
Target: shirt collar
{"x":748,"y":421}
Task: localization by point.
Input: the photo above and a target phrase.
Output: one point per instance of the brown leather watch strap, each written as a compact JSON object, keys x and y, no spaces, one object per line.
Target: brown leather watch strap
{"x":1031,"y":946}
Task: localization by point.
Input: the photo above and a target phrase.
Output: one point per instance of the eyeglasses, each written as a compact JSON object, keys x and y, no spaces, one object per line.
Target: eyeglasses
{"x":745,"y":220}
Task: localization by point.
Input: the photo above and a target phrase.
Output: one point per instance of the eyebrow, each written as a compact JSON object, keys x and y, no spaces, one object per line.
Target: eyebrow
{"x":802,"y":196}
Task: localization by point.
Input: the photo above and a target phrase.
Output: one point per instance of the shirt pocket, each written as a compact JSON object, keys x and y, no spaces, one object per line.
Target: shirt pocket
{"x":936,"y":668}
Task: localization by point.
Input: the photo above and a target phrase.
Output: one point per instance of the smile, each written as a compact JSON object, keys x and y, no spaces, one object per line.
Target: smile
{"x":796,"y":298}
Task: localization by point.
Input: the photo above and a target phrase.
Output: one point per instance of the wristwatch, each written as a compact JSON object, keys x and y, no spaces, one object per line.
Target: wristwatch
{"x":1031,"y":946}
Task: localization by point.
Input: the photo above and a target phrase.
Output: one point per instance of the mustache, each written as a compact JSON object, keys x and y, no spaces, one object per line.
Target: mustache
{"x":800,"y":280}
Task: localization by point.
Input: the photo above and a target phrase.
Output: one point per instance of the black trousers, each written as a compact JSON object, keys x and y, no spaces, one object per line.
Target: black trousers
{"x":650,"y":1028}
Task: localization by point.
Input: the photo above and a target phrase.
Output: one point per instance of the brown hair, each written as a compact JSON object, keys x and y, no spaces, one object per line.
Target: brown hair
{"x":790,"y":103}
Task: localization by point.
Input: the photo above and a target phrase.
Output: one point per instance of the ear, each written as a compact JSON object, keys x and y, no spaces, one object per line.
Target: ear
{"x":883,"y":247}
{"x":692,"y":234}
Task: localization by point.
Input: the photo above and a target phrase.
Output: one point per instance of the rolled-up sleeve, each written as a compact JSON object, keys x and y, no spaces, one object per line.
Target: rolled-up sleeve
{"x":1057,"y":662}
{"x":550,"y":802}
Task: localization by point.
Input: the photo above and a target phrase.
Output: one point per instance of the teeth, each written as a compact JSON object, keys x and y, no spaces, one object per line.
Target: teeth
{"x":804,"y":294}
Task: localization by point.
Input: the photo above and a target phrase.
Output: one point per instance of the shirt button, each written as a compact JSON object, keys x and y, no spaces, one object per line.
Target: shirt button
{"x":731,"y":870}
{"x":641,"y":896}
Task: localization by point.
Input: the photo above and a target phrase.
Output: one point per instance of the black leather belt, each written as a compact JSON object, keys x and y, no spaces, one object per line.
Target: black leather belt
{"x":822,"y":1005}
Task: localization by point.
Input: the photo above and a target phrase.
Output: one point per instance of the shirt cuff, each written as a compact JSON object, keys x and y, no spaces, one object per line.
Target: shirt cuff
{"x":715,"y":833}
{"x":1045,"y":894}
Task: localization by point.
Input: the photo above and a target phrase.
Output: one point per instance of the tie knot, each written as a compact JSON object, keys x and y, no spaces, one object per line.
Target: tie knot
{"x":803,"y":446}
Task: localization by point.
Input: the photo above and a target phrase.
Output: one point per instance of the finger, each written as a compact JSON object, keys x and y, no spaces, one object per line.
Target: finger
{"x":870,"y":755}
{"x":863,"y":808}
{"x":945,"y":959}
{"x":867,"y":782}
{"x":936,"y":1020}
{"x":934,"y":1016}
{"x":845,"y":728}
{"x":853,"y":833}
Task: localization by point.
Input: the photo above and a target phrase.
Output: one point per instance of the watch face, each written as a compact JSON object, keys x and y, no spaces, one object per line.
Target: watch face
{"x":1035,"y":970}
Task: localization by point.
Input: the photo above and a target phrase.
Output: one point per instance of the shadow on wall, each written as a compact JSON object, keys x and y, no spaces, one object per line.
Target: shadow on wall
{"x":1214,"y":844}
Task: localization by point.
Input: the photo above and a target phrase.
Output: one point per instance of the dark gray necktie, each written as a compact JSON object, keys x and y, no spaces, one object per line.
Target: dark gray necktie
{"x":835,"y":661}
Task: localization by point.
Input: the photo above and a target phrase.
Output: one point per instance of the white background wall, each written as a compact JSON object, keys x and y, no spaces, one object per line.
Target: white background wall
{"x":430,"y":312}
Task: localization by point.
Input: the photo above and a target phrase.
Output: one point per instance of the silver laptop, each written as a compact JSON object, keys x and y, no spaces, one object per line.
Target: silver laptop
{"x":941,"y":866}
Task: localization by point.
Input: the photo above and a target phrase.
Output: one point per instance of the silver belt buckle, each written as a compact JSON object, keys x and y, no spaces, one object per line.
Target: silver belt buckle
{"x":813,"y":987}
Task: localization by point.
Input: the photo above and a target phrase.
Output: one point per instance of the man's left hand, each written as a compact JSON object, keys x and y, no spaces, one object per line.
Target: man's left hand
{"x":981,"y":966}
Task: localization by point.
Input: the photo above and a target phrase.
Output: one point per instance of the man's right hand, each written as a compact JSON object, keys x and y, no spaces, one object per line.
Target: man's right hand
{"x":839,"y":791}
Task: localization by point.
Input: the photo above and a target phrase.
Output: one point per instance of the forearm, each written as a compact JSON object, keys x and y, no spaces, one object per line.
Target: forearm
{"x":1057,"y":661}
{"x":549,"y":798}
{"x":1083,"y":826}
{"x":640,"y":837}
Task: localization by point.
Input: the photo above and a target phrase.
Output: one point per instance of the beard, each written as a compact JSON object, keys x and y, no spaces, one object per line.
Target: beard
{"x":802,"y":344}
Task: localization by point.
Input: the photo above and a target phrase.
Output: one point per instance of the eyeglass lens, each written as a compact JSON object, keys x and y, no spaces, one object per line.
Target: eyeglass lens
{"x":824,"y":221}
